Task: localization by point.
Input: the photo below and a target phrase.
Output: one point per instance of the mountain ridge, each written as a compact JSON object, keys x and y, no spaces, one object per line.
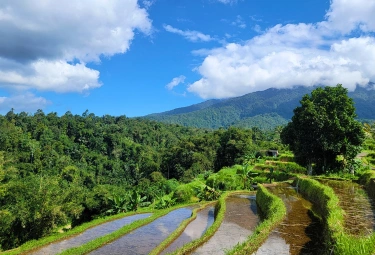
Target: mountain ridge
{"x":263,"y":109}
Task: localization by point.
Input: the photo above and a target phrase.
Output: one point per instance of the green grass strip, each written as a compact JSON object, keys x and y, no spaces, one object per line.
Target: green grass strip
{"x":368,"y":180}
{"x":175,"y":234}
{"x":220,"y":210}
{"x":274,"y":212}
{"x":103,"y":240}
{"x":36,"y":244}
{"x":326,"y":205}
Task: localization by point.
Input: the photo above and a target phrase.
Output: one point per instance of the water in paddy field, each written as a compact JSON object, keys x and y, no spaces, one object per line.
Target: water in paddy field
{"x":88,"y":235}
{"x":146,"y":238}
{"x":239,"y":222}
{"x":194,"y":230}
{"x":299,"y":233}
{"x":359,"y":208}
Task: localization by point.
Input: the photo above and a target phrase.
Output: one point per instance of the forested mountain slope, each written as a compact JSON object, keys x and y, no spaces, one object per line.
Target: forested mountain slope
{"x":264,"y":109}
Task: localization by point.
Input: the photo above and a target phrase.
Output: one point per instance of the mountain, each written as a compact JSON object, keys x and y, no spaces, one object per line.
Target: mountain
{"x":263,"y":109}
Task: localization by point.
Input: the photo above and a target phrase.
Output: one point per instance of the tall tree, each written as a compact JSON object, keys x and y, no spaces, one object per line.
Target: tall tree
{"x":324,"y":127}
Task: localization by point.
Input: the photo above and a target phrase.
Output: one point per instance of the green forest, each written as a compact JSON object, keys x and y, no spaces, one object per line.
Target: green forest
{"x":57,"y":171}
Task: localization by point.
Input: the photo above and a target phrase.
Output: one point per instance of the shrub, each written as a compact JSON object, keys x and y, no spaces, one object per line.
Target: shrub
{"x":225,"y":179}
{"x":188,"y":192}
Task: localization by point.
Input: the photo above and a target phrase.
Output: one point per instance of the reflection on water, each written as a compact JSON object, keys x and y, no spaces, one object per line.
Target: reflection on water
{"x":299,"y":232}
{"x":89,"y":235}
{"x":146,"y":238}
{"x":239,"y":222}
{"x":358,"y":207}
{"x":194,"y":230}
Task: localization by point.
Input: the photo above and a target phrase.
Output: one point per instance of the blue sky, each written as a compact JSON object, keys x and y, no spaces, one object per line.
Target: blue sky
{"x":128,"y":57}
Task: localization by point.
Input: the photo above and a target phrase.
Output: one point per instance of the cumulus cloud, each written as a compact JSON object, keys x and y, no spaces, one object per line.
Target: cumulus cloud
{"x":48,"y":42}
{"x":346,"y":16}
{"x":324,"y":53}
{"x":191,"y":35}
{"x":175,"y":81}
{"x":44,"y":75}
{"x":27,"y":102}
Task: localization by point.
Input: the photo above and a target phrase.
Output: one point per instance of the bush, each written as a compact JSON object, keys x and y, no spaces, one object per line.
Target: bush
{"x":188,"y":192}
{"x":286,"y":158}
{"x":226,"y":179}
{"x":291,"y":167}
{"x":369,"y":145}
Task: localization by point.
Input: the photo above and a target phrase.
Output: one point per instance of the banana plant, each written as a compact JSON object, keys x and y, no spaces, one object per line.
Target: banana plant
{"x":119,"y":204}
{"x":137,"y":201}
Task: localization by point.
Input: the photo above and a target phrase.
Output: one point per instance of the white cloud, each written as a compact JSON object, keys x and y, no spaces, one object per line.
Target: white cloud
{"x":239,"y":22}
{"x":257,"y":29}
{"x":57,"y":76}
{"x":45,"y":37}
{"x":175,"y":81}
{"x":294,"y":54}
{"x":148,"y":3}
{"x":347,"y":15}
{"x":27,"y":102}
{"x":191,"y":35}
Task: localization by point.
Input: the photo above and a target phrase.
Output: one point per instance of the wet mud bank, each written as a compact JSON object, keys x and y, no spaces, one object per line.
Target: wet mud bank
{"x":239,"y":222}
{"x":146,"y":238}
{"x":299,"y":233}
{"x":88,"y":235}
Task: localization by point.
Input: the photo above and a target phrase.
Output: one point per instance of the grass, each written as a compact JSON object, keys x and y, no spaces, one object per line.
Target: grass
{"x":326,"y":206}
{"x":35,"y":244}
{"x":273,"y":210}
{"x":368,"y":180}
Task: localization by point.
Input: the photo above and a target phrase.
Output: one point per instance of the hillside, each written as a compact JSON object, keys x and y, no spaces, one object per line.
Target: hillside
{"x":264,"y":109}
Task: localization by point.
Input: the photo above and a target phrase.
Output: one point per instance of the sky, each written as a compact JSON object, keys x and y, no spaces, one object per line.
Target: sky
{"x":133,"y":58}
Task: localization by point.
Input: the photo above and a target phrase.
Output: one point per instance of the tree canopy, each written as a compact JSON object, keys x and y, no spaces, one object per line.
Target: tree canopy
{"x":56,"y":171}
{"x":323,"y":128}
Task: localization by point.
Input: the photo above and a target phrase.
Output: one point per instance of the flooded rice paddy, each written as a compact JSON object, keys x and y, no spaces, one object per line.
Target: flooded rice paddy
{"x":299,"y":232}
{"x":146,"y":238}
{"x":194,"y":230}
{"x":239,"y":221}
{"x":88,"y":235}
{"x":359,"y":208}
